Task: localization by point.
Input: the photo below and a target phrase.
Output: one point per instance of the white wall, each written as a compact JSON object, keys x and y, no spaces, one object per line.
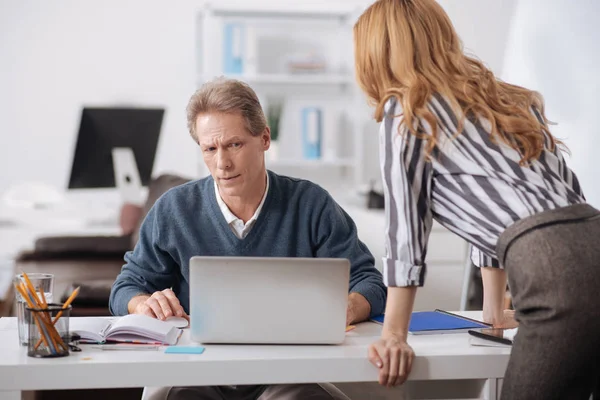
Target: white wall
{"x":554,"y":47}
{"x":57,"y":56}
{"x":483,"y":26}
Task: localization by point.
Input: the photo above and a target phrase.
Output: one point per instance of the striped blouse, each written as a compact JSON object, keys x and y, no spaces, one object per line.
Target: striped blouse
{"x":472,"y":186}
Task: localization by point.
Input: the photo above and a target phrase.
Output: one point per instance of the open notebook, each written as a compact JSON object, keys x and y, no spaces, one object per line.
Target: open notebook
{"x":131,"y":328}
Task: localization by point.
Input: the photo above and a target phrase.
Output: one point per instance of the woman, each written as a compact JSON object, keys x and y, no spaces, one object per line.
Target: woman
{"x":475,"y":153}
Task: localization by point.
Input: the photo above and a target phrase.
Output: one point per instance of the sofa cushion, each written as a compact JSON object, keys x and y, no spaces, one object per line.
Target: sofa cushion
{"x":80,"y":247}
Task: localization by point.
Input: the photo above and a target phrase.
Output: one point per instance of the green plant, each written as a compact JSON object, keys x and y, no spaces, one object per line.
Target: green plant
{"x":274,"y":109}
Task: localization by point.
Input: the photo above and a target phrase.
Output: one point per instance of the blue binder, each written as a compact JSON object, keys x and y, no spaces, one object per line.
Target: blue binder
{"x":438,"y":321}
{"x":312,"y":123}
{"x":233,"y":48}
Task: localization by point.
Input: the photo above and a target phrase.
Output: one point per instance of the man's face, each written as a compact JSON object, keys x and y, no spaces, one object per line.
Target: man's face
{"x":233,"y":156}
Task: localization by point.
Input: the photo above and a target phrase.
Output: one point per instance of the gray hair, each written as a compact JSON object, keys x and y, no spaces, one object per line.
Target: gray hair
{"x":227,"y":96}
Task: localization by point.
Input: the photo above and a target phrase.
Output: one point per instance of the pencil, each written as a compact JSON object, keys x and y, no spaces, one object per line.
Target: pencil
{"x":47,"y":317}
{"x":31,"y":288}
{"x":67,"y":304}
{"x":43,"y":296}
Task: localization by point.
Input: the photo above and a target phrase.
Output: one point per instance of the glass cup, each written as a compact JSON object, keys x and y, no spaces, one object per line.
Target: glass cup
{"x":41,"y":282}
{"x":48,"y":331}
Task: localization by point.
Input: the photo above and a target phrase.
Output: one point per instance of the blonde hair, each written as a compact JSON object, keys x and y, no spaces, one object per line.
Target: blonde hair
{"x":409,"y":49}
{"x":228,"y":96}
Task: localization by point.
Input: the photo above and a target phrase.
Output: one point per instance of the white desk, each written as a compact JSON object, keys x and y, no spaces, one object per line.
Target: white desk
{"x":446,"y":358}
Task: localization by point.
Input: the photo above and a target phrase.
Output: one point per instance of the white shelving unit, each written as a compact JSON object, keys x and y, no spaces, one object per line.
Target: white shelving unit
{"x":276,"y":34}
{"x":289,"y":79}
{"x":338,"y":162}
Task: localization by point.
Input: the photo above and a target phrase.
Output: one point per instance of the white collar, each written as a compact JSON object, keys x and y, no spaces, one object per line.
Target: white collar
{"x":229,"y":216}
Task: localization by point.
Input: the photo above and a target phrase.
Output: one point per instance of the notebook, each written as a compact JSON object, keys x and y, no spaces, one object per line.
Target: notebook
{"x":478,"y":342}
{"x":131,"y":328}
{"x":438,"y":321}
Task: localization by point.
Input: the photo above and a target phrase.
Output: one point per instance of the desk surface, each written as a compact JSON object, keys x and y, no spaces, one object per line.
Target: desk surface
{"x":437,"y":357}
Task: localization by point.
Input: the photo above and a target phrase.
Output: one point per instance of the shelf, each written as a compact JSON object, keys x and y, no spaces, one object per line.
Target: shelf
{"x":300,"y":28}
{"x":340,"y":162}
{"x":291,"y":79}
{"x":292,"y":13}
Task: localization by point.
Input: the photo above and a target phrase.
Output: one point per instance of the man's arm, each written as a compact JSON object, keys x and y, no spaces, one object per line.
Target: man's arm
{"x":336,"y":237}
{"x":148,"y":269}
{"x":359,"y":308}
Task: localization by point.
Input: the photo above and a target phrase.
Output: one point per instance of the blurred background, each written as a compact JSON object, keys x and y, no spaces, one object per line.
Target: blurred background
{"x":78,"y":78}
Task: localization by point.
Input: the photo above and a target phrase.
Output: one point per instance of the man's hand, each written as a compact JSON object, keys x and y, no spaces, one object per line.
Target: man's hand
{"x":160,"y":305}
{"x":394,"y":357}
{"x":358,"y":310}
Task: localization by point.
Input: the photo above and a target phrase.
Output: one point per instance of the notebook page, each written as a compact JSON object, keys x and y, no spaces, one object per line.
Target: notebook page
{"x":89,"y":328}
{"x":141,"y":325}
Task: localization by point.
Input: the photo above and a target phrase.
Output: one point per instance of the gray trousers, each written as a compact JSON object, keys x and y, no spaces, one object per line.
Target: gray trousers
{"x":310,"y":391}
{"x":552,"y":261}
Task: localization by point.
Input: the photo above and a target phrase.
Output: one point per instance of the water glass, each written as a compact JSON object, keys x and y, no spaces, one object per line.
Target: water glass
{"x":40,"y":282}
{"x":48,"y":331}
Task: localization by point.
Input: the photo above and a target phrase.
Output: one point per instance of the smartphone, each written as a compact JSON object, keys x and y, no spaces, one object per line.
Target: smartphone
{"x":504,"y":336}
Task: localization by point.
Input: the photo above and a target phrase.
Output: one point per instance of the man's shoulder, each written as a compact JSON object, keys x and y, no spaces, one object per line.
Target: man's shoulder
{"x":292,"y":186}
{"x":188,"y":194}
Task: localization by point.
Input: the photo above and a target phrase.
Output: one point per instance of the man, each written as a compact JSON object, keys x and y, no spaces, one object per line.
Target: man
{"x":242,"y":210}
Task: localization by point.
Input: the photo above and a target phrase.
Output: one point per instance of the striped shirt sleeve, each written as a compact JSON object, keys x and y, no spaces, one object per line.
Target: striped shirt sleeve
{"x":480,"y":259}
{"x":407,"y":188}
{"x":567,"y":174}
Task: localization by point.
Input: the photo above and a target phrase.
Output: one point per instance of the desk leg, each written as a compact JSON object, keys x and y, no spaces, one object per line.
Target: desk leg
{"x":10,"y":395}
{"x":491,"y":390}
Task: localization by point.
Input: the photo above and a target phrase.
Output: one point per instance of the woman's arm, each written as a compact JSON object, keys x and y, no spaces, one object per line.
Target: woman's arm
{"x":407,"y":181}
{"x":399,"y":308}
{"x":392,"y":354}
{"x":494,"y":292}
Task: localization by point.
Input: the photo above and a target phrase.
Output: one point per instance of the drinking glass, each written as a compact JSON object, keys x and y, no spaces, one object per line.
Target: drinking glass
{"x":40,"y":282}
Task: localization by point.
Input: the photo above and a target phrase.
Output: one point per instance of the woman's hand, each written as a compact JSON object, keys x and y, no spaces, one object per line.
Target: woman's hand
{"x":505,"y":321}
{"x":393,"y":356}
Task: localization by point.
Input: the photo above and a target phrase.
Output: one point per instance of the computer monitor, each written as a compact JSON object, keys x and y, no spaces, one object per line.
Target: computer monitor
{"x":103,"y":129}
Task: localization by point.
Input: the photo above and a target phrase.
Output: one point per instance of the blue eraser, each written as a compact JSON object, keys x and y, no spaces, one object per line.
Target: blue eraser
{"x":184,"y":350}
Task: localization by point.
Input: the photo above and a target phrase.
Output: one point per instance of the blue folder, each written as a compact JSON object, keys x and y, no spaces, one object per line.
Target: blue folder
{"x":438,"y":321}
{"x":184,"y":350}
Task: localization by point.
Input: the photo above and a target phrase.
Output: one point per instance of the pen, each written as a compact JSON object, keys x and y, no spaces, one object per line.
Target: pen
{"x":126,"y":347}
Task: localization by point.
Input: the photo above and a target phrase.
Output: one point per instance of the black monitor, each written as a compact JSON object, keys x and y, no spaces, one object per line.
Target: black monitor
{"x":101,"y":130}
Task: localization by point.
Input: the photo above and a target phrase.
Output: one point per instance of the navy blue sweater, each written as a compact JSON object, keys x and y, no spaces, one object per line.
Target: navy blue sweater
{"x":298,"y":219}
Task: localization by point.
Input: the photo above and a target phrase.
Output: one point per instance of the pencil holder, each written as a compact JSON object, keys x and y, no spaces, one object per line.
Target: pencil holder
{"x":48,"y":331}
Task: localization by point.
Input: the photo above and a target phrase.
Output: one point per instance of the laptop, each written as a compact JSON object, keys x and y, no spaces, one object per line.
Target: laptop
{"x":256,"y":300}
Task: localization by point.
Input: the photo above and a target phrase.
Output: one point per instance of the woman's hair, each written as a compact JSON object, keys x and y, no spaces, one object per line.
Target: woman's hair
{"x":409,"y":49}
{"x":228,"y":96}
